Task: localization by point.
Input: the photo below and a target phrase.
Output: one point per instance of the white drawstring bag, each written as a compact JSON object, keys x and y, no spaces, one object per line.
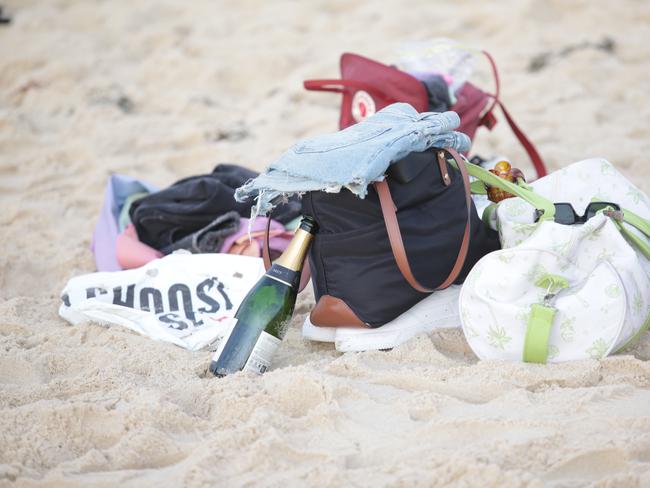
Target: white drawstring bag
{"x":560,"y":292}
{"x":186,"y":299}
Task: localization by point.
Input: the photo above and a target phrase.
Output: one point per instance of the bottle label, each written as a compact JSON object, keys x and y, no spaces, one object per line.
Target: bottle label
{"x":260,"y":359}
{"x":284,"y":275}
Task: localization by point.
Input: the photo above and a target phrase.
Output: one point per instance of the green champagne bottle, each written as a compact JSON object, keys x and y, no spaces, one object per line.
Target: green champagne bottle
{"x":263,"y":317}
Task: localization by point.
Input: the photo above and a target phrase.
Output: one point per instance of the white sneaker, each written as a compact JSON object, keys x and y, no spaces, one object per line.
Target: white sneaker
{"x":438,"y":311}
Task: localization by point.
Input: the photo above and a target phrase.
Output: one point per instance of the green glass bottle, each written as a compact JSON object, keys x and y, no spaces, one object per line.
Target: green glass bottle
{"x":263,"y":317}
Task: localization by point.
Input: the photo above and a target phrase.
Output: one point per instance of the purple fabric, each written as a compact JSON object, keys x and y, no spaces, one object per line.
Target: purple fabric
{"x":118,"y":188}
{"x":259,"y":225}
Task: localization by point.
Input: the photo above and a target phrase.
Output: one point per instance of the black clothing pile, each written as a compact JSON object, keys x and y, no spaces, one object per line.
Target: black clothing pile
{"x":198,"y":212}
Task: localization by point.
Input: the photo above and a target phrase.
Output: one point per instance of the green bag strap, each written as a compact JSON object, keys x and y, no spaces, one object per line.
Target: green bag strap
{"x":478,"y":188}
{"x":540,"y":323}
{"x":536,"y":200}
{"x":636,"y":221}
{"x":634,"y":239}
{"x":547,"y":207}
{"x":639,"y":223}
{"x":538,"y":332}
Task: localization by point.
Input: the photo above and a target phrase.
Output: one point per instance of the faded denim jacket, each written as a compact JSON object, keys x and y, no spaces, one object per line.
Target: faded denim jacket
{"x":354,"y":157}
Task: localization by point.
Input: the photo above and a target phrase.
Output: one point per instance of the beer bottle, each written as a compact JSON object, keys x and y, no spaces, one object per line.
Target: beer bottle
{"x":263,"y":317}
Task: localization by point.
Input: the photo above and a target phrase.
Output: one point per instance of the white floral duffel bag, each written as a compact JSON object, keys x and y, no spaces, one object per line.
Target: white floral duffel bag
{"x":573,"y":278}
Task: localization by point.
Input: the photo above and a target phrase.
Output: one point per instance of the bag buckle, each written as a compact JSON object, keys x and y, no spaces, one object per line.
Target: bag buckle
{"x":554,"y":284}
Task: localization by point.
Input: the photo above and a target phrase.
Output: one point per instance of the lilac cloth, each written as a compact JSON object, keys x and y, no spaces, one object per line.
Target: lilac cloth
{"x":118,"y":188}
{"x":259,"y":225}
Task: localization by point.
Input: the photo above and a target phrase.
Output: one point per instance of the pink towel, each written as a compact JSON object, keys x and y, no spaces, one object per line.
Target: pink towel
{"x":130,"y":252}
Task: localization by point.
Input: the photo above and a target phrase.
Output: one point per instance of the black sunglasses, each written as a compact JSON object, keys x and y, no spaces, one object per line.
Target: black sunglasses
{"x":566,"y":215}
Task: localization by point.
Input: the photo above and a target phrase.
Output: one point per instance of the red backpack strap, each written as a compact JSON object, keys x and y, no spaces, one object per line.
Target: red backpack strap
{"x":497,"y":83}
{"x":530,"y":148}
{"x":342,"y":86}
{"x":336,"y":86}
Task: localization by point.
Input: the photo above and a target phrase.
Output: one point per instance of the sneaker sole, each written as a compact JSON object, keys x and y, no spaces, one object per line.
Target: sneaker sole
{"x":438,"y":311}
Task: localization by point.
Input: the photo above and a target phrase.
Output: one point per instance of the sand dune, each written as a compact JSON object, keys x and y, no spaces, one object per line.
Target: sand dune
{"x":162,"y":90}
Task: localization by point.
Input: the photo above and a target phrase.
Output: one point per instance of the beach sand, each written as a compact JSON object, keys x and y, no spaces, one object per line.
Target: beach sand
{"x":163,"y":90}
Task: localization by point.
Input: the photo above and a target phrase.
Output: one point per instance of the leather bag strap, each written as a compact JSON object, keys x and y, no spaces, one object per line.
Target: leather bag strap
{"x":389,"y":210}
{"x":267,"y":245}
{"x":305,"y":276}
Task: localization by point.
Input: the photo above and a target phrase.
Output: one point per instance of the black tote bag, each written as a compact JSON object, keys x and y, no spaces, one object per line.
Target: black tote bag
{"x":374,"y":258}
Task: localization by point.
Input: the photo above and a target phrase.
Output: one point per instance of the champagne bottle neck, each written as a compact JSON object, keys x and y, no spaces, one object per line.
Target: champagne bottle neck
{"x":293,"y":257}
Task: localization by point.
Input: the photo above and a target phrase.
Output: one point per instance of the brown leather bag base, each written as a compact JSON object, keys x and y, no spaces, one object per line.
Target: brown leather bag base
{"x":334,"y":312}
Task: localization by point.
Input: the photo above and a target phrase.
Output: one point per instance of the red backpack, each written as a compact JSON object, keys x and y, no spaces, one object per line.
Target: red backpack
{"x":368,"y":86}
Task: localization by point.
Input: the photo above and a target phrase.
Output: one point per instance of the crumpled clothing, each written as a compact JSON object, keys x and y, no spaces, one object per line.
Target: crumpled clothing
{"x":118,"y":190}
{"x":353,"y":157}
{"x":440,"y":96}
{"x":130,"y":252}
{"x":210,"y":238}
{"x":192,"y":203}
{"x":251,"y":237}
{"x":124,"y":218}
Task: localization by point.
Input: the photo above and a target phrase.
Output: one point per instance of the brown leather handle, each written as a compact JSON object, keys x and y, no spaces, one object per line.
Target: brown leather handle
{"x":389,"y":209}
{"x":305,"y":276}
